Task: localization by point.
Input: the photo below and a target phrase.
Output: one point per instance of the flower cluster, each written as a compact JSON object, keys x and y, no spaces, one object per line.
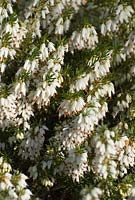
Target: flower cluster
{"x":94,"y":193}
{"x":108,"y":151}
{"x":85,"y":39}
{"x":123,"y":14}
{"x":12,"y":186}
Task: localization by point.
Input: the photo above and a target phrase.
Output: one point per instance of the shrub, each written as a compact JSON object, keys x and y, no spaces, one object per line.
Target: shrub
{"x":67,"y":92}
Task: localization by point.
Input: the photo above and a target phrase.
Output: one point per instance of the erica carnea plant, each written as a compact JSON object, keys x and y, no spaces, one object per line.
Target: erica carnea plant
{"x":67,"y":99}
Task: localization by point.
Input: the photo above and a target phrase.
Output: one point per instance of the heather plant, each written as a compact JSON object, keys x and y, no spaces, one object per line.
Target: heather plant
{"x":67,"y":99}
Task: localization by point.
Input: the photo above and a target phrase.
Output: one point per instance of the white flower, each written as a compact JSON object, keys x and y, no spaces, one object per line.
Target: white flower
{"x":2,"y":67}
{"x":96,"y":192}
{"x":23,"y":88}
{"x":51,"y":47}
{"x":20,"y":88}
{"x":44,"y":52}
{"x":108,"y":25}
{"x":13,"y":194}
{"x":66,"y":25}
{"x":27,"y":65}
{"x":4,"y":52}
{"x":21,"y":182}
{"x":59,"y":27}
{"x":132,"y":194}
{"x":26,"y":195}
{"x":68,"y":107}
{"x":3,"y":185}
{"x":80,"y":84}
